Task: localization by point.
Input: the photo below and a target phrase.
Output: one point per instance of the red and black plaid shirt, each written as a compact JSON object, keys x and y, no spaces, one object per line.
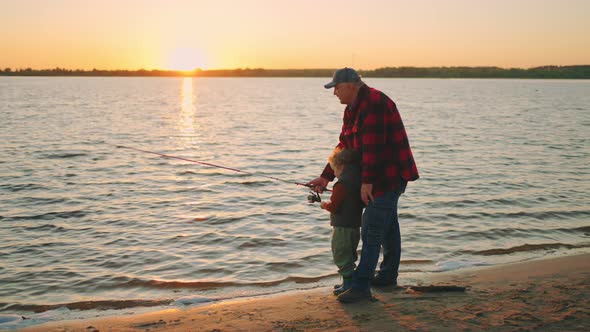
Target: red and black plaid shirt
{"x":373,"y":126}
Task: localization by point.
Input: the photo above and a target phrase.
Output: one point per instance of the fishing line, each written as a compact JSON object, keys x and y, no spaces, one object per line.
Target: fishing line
{"x":213,"y":165}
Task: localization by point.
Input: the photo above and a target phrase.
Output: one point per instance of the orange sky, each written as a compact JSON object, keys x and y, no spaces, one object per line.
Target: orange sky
{"x":184,"y":34}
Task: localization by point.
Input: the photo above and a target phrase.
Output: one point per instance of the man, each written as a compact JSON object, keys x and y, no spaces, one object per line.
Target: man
{"x":373,"y":127}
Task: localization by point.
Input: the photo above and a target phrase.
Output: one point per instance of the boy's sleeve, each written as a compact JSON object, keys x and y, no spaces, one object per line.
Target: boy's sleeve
{"x":338,"y":196}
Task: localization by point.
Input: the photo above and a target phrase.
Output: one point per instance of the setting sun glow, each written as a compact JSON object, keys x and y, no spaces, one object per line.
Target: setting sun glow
{"x":186,"y":58}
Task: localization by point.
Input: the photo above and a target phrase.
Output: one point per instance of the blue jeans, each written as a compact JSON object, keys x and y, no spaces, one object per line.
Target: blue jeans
{"x":380,"y":228}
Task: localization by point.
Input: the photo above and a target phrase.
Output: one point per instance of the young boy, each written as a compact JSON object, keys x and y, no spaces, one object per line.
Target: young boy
{"x":346,"y":209}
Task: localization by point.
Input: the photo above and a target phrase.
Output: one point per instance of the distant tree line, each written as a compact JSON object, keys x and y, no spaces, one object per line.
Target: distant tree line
{"x":569,"y":72}
{"x":580,"y":72}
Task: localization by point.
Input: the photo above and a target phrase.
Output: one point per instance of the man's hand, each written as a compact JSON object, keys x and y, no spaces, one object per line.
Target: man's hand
{"x":367,"y":192}
{"x":318,"y":184}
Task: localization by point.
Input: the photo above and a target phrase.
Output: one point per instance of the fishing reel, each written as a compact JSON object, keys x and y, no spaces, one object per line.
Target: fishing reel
{"x":314,"y":197}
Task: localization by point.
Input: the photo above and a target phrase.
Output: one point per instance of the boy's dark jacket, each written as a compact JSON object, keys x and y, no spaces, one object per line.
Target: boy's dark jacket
{"x":350,"y":210}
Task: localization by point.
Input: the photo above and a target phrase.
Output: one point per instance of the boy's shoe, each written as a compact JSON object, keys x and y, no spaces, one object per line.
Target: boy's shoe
{"x":380,"y":281}
{"x":346,"y":284}
{"x":355,"y":295}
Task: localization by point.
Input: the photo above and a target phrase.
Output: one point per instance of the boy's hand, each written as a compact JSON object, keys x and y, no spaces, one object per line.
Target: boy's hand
{"x":323,"y":204}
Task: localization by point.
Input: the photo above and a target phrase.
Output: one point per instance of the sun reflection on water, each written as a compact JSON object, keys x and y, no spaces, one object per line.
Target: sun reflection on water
{"x":187,"y":117}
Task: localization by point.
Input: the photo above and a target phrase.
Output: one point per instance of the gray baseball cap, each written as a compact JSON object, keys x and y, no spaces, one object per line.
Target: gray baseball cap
{"x":343,"y":75}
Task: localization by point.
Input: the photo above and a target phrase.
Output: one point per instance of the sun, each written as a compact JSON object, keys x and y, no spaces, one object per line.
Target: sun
{"x":187,"y":58}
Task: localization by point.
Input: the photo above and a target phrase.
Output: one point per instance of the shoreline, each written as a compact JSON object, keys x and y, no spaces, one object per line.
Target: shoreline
{"x":550,"y":294}
{"x":581,"y":71}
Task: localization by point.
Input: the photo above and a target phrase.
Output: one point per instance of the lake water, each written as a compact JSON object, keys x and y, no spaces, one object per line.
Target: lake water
{"x":503,"y":165}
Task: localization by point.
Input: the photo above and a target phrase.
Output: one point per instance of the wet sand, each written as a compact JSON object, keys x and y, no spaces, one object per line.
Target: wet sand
{"x":544,"y":295}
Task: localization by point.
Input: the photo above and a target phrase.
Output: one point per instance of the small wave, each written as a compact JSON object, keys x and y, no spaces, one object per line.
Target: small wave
{"x":123,"y":242}
{"x":53,"y":215}
{"x":305,"y":280}
{"x":21,"y":187}
{"x":402,"y":270}
{"x":408,"y":216}
{"x":46,"y":227}
{"x":87,"y":305}
{"x":64,"y":155}
{"x":161,"y":284}
{"x":190,"y":300}
{"x":416,"y":261}
{"x":458,"y":203}
{"x":528,"y":247}
{"x":221,"y":221}
{"x":280,"y":266}
{"x":543,"y":215}
{"x":43,"y":200}
{"x":258,"y":242}
{"x":458,"y":264}
{"x":40,"y":248}
{"x":255,"y":183}
{"x":583,"y":229}
{"x":57,"y":229}
{"x":4,"y":319}
{"x":461,"y":203}
{"x":537,"y":215}
{"x":186,"y":173}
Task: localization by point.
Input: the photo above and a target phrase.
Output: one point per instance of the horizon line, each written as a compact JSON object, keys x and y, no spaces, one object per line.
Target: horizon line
{"x":198,"y":69}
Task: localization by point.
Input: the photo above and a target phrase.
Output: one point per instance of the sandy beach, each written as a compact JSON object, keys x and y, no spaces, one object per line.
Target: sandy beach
{"x":543,"y":295}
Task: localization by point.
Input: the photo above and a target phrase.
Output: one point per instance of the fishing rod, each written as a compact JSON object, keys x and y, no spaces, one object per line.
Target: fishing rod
{"x":316,"y":196}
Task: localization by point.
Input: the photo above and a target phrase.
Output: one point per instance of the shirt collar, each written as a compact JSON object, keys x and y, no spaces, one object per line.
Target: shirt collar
{"x":363,"y":91}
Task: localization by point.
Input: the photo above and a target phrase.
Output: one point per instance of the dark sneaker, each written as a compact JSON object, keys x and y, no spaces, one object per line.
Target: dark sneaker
{"x":355,"y":295}
{"x":343,"y":288}
{"x":379,"y":281}
{"x":338,"y":291}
